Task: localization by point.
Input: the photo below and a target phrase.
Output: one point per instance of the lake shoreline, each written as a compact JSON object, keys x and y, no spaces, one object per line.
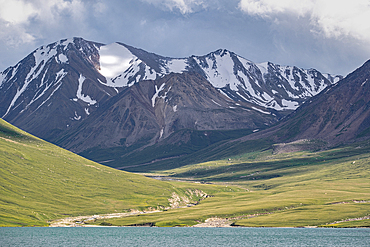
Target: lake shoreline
{"x":214,"y":222}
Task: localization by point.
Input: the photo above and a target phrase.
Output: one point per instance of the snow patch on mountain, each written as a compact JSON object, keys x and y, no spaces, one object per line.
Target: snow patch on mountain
{"x":23,"y":88}
{"x":150,"y":74}
{"x":65,"y":42}
{"x":216,"y":102}
{"x":247,"y":86}
{"x":132,"y":74}
{"x":225,"y":94}
{"x":161,"y":133}
{"x":14,"y":72}
{"x":363,"y":83}
{"x":62,"y":58}
{"x":262,"y":67}
{"x":41,"y":56}
{"x":58,"y":82}
{"x":39,"y":60}
{"x":79,"y":95}
{"x":76,"y":116}
{"x":241,"y":96}
{"x":292,"y":105}
{"x":164,"y":96}
{"x":121,"y":68}
{"x":2,"y":78}
{"x":336,"y":79}
{"x":157,"y":90}
{"x":60,"y":75}
{"x":44,"y":54}
{"x":226,"y":70}
{"x":175,"y":66}
{"x":39,"y":94}
{"x":114,"y":59}
{"x":259,"y":110}
{"x":219,"y":69}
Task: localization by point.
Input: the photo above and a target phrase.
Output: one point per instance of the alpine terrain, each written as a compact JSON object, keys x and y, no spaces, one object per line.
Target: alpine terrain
{"x":109,"y":101}
{"x":227,"y":141}
{"x":339,"y":115}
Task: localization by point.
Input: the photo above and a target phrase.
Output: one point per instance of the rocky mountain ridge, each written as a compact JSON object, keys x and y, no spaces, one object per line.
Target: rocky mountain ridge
{"x":339,"y":115}
{"x":85,"y":95}
{"x":266,"y":84}
{"x":180,"y":101}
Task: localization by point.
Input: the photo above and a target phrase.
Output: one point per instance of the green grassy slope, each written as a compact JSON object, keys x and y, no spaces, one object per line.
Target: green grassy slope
{"x":285,"y":190}
{"x":41,"y":182}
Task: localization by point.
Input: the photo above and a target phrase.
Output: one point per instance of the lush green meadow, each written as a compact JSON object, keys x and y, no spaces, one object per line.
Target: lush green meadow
{"x":41,"y":182}
{"x":285,"y":190}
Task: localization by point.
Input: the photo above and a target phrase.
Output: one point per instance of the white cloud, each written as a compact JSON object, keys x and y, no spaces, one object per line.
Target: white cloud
{"x":269,"y":8}
{"x":16,"y":11}
{"x":333,"y":18}
{"x":20,"y":11}
{"x":184,"y":6}
{"x":16,"y":15}
{"x":100,"y":8}
{"x":14,"y":35}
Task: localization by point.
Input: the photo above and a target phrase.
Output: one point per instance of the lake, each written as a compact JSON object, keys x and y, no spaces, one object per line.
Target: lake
{"x":154,"y":236}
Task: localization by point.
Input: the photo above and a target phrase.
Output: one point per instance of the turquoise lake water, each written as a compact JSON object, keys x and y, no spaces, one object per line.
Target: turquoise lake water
{"x":153,"y":236}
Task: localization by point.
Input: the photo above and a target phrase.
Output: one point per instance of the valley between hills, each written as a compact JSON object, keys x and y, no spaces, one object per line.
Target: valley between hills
{"x":42,"y":183}
{"x":210,"y":141}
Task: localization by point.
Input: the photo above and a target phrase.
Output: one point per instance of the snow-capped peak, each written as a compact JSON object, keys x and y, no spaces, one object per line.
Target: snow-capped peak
{"x":265,"y":84}
{"x":121,"y":67}
{"x":114,"y":60}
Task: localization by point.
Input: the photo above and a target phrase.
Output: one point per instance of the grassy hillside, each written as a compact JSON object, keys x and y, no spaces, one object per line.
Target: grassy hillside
{"x":41,"y":182}
{"x":285,"y":190}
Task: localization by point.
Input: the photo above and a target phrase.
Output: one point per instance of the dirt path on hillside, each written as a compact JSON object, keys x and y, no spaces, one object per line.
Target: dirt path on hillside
{"x":9,"y":140}
{"x":175,"y":201}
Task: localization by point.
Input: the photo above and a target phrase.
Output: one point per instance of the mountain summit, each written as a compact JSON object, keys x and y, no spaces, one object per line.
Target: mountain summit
{"x":86,"y":95}
{"x":339,"y":115}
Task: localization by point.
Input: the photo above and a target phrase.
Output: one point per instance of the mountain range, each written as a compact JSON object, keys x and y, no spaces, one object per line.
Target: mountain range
{"x":109,"y":102}
{"x":338,"y":115}
{"x":243,"y":159}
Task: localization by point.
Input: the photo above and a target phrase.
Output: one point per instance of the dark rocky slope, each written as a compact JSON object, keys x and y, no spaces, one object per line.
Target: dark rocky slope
{"x":338,"y":115}
{"x":150,"y":111}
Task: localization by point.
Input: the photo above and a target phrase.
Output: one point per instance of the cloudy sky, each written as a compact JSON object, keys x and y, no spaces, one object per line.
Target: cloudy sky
{"x":330,"y":35}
